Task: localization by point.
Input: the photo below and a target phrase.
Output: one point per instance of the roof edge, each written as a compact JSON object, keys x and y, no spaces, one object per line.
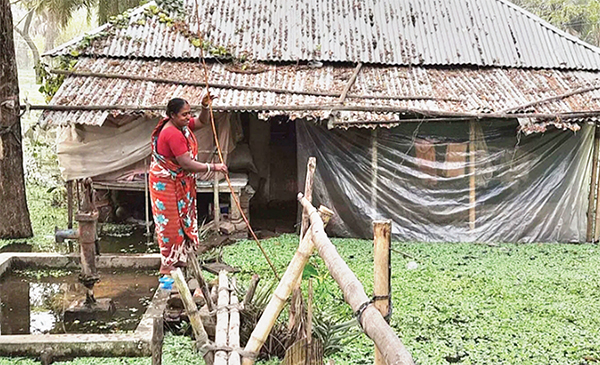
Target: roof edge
{"x":551,"y":27}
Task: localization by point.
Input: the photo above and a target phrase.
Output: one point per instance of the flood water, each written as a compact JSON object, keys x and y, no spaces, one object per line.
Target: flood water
{"x":33,"y":302}
{"x":126,"y":239}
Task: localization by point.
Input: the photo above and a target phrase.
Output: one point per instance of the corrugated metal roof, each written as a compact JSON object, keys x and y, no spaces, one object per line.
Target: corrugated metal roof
{"x":449,"y":90}
{"x":413,"y":32}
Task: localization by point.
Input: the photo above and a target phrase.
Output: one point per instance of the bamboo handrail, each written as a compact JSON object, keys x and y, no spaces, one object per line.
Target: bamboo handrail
{"x":371,"y":320}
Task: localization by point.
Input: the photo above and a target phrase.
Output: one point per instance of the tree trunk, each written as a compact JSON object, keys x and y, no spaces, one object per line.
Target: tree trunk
{"x":14,"y":216}
{"x":34,"y":51}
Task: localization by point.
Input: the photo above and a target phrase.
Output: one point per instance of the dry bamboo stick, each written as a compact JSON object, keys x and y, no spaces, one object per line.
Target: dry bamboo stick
{"x":350,"y":83}
{"x":552,"y":98}
{"x":251,"y":290}
{"x":193,"y":313}
{"x":282,"y":292}
{"x":590,"y":233}
{"x":373,"y":323}
{"x":381,"y":285}
{"x":234,"y":326}
{"x":197,"y":273}
{"x":221,"y":330}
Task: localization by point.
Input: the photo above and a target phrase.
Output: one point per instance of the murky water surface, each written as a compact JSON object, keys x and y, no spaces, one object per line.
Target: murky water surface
{"x":33,"y":302}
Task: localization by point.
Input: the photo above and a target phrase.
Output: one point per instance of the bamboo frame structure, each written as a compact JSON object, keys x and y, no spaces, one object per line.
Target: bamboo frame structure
{"x":221,"y":331}
{"x":382,"y":236}
{"x":282,"y":292}
{"x":371,"y":320}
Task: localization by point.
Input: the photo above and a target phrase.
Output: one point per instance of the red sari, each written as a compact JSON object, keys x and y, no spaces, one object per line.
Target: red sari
{"x":173,"y":197}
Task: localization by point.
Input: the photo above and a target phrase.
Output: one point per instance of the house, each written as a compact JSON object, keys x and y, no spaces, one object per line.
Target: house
{"x":459,"y":120}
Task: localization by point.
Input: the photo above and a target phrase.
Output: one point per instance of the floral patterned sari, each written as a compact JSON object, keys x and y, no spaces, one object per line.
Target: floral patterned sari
{"x":173,"y":197}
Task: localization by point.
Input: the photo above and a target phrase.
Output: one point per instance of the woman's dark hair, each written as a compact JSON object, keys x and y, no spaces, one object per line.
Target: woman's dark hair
{"x":175,"y":105}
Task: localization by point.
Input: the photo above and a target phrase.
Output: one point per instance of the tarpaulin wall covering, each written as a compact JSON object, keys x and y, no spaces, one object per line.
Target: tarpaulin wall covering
{"x":526,"y":188}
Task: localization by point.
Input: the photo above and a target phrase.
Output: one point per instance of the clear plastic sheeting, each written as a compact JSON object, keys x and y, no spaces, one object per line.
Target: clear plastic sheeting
{"x":452,"y":182}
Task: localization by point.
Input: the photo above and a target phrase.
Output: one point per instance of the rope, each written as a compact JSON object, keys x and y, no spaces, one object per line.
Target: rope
{"x":212,"y":347}
{"x":214,"y":129}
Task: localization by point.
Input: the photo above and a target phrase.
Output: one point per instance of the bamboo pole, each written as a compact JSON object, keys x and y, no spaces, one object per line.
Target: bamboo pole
{"x":597,"y":229}
{"x":282,"y":292}
{"x":247,"y":87}
{"x":309,"y":323}
{"x":222,"y":319}
{"x":308,"y":189}
{"x":196,"y":272}
{"x":350,"y":83}
{"x":251,"y":290}
{"x":472,"y":197}
{"x":371,"y":320}
{"x":234,"y":326}
{"x":590,"y":233}
{"x":374,"y":168}
{"x":216,"y":203}
{"x":70,"y":204}
{"x":297,"y":292}
{"x":194,"y":315}
{"x":336,"y":107}
{"x":381,"y":285}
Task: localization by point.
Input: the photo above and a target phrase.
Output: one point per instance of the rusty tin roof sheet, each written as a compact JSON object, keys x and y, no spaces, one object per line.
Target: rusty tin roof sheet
{"x":424,"y":88}
{"x":492,"y":33}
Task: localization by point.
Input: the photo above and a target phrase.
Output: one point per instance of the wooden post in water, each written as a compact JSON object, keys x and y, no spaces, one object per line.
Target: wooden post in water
{"x":382,"y":271}
{"x":591,"y":233}
{"x":371,"y":320}
{"x":193,"y":314}
{"x":222,"y":319}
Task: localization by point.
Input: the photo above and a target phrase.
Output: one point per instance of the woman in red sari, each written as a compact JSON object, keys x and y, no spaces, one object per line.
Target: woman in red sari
{"x":173,"y":181}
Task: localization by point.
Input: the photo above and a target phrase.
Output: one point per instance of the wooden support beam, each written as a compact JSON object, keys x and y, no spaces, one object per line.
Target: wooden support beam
{"x":382,"y":236}
{"x":371,"y":320}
